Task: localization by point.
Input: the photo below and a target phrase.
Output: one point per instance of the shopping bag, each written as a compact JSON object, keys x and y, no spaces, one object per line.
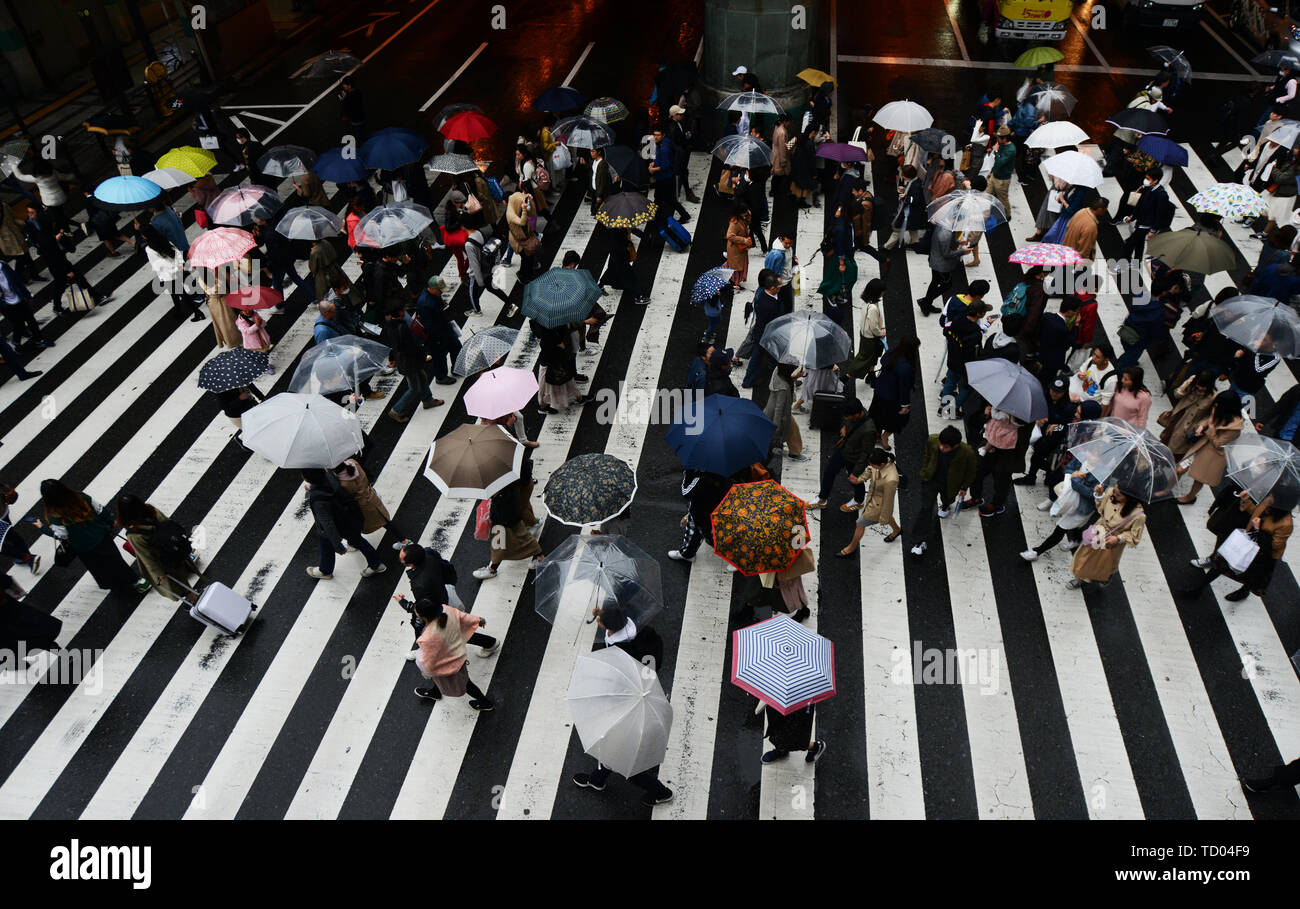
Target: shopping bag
{"x":483,"y":520}
{"x":76,"y":299}
{"x":1238,"y":550}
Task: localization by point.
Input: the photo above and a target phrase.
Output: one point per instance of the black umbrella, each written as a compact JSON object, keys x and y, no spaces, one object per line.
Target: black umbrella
{"x":933,"y":140}
{"x":232,"y":369}
{"x":624,"y":162}
{"x":1139,"y":120}
{"x":673,"y":81}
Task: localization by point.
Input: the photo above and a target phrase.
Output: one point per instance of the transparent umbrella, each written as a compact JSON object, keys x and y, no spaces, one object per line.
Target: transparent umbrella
{"x":287,"y":161}
{"x":240,"y":206}
{"x":583,"y":132}
{"x":388,"y":225}
{"x":332,"y":63}
{"x":1054,"y":100}
{"x":338,"y":364}
{"x":1173,"y":58}
{"x":1264,"y":466}
{"x":618,"y":571}
{"x":451,"y":164}
{"x":484,"y":349}
{"x":965,"y":210}
{"x":750,"y":103}
{"x":1261,"y":324}
{"x":743,"y":151}
{"x":309,"y":222}
{"x":1118,"y":453}
{"x":807,"y":338}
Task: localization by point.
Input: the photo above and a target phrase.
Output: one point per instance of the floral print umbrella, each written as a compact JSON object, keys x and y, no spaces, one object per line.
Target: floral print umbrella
{"x":760,"y":527}
{"x":1230,"y":200}
{"x":1046,"y":254}
{"x":590,"y":489}
{"x":626,"y":209}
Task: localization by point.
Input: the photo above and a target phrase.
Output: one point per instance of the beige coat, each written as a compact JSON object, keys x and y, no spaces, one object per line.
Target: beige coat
{"x":1081,"y":233}
{"x":738,"y":244}
{"x":517,"y":220}
{"x":12,"y":241}
{"x":223,"y":319}
{"x":1099,"y":564}
{"x":1211,"y":461}
{"x":353,"y":481}
{"x":491,"y":212}
{"x":780,"y":154}
{"x":323,"y":263}
{"x":882,"y":488}
{"x":1191,"y":408}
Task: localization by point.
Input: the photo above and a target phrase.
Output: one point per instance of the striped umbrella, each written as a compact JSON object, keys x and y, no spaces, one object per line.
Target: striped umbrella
{"x":1046,"y":254}
{"x":626,"y":209}
{"x":1229,"y":200}
{"x":220,"y":246}
{"x":194,"y":161}
{"x":783,"y":664}
{"x":590,"y":489}
{"x":240,"y":206}
{"x":708,"y":285}
{"x":286,"y":161}
{"x":126,"y":193}
{"x":606,"y":110}
{"x":483,"y":350}
{"x":560,"y":296}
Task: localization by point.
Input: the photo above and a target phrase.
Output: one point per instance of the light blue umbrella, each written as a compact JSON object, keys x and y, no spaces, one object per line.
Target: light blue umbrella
{"x":560,"y":296}
{"x":709,"y":284}
{"x":126,"y":193}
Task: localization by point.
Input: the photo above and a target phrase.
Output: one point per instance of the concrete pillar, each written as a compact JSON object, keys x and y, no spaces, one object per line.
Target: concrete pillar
{"x":13,"y":46}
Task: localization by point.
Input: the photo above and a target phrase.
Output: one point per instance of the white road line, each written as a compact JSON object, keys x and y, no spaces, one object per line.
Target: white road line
{"x":1060,"y":67}
{"x":1088,"y":40}
{"x":577,"y":66}
{"x":257,"y":116}
{"x":699,"y":52}
{"x":952,"y":20}
{"x":1254,"y":73}
{"x":454,"y":76}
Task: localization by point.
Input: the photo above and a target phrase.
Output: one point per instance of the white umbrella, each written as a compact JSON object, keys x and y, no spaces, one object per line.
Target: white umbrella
{"x":1057,"y":134}
{"x":302,"y":430}
{"x":1075,"y":168}
{"x":169,"y":177}
{"x":619,"y":710}
{"x":904,"y":116}
{"x":1285,"y":134}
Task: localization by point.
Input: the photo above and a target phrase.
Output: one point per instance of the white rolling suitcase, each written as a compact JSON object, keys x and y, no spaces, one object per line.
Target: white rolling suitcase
{"x":221,"y":607}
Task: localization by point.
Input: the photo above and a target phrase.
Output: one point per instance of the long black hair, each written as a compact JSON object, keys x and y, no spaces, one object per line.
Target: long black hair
{"x":909,"y":349}
{"x":1227,"y":407}
{"x":431,"y":611}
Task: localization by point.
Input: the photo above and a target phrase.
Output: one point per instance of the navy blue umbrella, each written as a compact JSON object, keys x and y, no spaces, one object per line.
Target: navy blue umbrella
{"x":389,"y":149}
{"x":560,"y":98}
{"x":333,"y":166}
{"x":1164,"y":150}
{"x":710,"y":283}
{"x":126,"y":193}
{"x":721,"y":434}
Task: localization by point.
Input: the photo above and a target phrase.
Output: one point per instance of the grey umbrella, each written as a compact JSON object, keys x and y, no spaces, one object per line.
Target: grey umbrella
{"x":309,"y":222}
{"x":287,"y":161}
{"x":1261,"y":324}
{"x":933,"y":140}
{"x":1009,"y":387}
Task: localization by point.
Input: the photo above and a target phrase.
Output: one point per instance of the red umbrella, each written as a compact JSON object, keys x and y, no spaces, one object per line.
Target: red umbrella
{"x":257,"y":296}
{"x":468,"y":126}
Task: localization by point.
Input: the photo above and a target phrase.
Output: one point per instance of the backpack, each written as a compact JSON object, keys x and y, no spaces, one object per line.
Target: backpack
{"x":494,"y":187}
{"x":1018,"y":301}
{"x":171,"y":542}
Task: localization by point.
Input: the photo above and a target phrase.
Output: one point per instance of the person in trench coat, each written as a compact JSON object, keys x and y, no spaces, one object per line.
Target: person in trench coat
{"x":1120,"y":520}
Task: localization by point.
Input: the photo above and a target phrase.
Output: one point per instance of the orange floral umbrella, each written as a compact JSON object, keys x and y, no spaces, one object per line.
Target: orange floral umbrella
{"x":760,"y":527}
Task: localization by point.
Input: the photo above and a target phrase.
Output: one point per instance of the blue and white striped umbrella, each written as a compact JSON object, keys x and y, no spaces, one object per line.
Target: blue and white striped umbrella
{"x":783,"y":664}
{"x":126,"y":193}
{"x":710,"y":283}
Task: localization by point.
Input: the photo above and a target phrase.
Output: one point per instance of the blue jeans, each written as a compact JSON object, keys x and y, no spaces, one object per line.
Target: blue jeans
{"x":417,"y":388}
{"x":951,"y":382}
{"x":278,"y":273}
{"x":327,"y":552}
{"x":713,"y":325}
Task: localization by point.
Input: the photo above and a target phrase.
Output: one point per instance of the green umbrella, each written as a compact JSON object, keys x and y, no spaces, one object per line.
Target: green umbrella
{"x":1038,"y":56}
{"x":1192,"y":249}
{"x":560,"y":295}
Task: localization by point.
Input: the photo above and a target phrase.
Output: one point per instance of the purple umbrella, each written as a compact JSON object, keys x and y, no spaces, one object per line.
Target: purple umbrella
{"x":841,"y":151}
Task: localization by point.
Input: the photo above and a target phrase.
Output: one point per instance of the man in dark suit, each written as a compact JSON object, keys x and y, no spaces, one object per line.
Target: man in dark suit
{"x":601,"y":184}
{"x":767,"y":306}
{"x":251,"y":151}
{"x":45,"y":235}
{"x":681,"y":138}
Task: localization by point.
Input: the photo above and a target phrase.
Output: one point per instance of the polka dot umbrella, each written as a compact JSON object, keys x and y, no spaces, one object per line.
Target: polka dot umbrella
{"x":232,"y":369}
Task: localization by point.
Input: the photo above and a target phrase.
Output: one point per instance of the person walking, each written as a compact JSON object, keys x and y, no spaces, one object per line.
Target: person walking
{"x":16,"y":305}
{"x":1004,"y":168}
{"x":163,"y":552}
{"x":947,"y":471}
{"x":442,"y":657}
{"x":882,"y":481}
{"x":792,"y":732}
{"x":524,"y":240}
{"x":946,"y":254}
{"x":440,"y":338}
{"x":168,"y":264}
{"x":85,"y":529}
{"x":1152,"y":213}
{"x":223,"y":317}
{"x":703,"y":492}
{"x":252,"y":328}
{"x":781,"y":140}
{"x":1193,"y":401}
{"x":13,"y":242}
{"x":891,"y":403}
{"x":910,"y":215}
{"x":1284,"y":777}
{"x":1081,"y":230}
{"x":739,"y":243}
{"x":1271,"y":527}
{"x":1131,"y":401}
{"x":165,"y":220}
{"x":338,"y":526}
{"x":1120,"y":520}
{"x":778,"y":409}
{"x":871,"y":334}
{"x":354,"y":483}
{"x":11,"y":543}
{"x":717,"y":379}
{"x":509,"y":537}
{"x":407,"y":355}
{"x":1207,"y":454}
{"x":857,"y":439}
{"x":46,"y":233}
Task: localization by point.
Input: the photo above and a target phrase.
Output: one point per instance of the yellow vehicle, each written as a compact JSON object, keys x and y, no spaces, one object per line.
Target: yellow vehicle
{"x":1038,"y":20}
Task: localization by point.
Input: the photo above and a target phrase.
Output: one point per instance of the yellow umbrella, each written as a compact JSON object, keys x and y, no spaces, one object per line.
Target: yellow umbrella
{"x":815,"y":77}
{"x":194,"y":161}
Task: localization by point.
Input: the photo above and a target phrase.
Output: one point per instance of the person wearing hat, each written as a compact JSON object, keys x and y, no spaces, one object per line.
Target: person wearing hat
{"x":1047,"y":450}
{"x":1004,"y":167}
{"x":440,"y":338}
{"x":681,"y":139}
{"x":718,"y":379}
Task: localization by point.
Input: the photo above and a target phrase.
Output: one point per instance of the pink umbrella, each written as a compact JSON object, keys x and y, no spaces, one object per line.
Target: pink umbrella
{"x":241,"y":205}
{"x":257,"y":296}
{"x":1047,"y":254}
{"x":499,"y":392}
{"x":220,"y":246}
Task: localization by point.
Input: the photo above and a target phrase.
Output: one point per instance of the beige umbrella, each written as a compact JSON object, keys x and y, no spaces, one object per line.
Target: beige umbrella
{"x":474,"y":461}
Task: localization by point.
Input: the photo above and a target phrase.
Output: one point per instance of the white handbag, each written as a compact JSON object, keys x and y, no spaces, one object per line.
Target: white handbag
{"x":1238,"y":550}
{"x":209,"y":142}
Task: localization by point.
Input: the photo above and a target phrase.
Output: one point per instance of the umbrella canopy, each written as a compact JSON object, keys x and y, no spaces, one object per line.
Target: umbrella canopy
{"x":1056,"y":134}
{"x":606,"y":110}
{"x":708,"y":285}
{"x":1261,"y":324}
{"x":194,"y":161}
{"x":220,"y":246}
{"x":1273,"y":59}
{"x":240,"y":206}
{"x":1173,"y":58}
{"x":808,"y":338}
{"x":560,"y":98}
{"x":560,"y":296}
{"x":783,"y":664}
{"x":760,"y":527}
{"x":302,"y":430}
{"x":332,"y":63}
{"x":309,"y":222}
{"x":721,"y":434}
{"x":1075,"y":168}
{"x":623,"y":161}
{"x":1165,"y":151}
{"x":841,"y":151}
{"x":336,"y":167}
{"x":1009,"y":387}
{"x":232,"y":369}
{"x":338,"y":364}
{"x":500,"y":392}
{"x":391,"y":148}
{"x":966,"y":210}
{"x":451,"y":164}
{"x":482,"y":350}
{"x":126,"y":193}
{"x":467,"y":126}
{"x":1038,"y":56}
{"x":474,"y":461}
{"x":1229,"y":200}
{"x":440,"y":119}
{"x":590,"y":489}
{"x":617,"y":571}
{"x":904,"y":116}
{"x":169,"y":177}
{"x":8,"y":162}
{"x":815,"y":77}
{"x":1264,"y":466}
{"x":286,"y":161}
{"x":1048,"y":255}
{"x":932,"y":139}
{"x":583,"y":132}
{"x":1054,"y":100}
{"x":750,"y":103}
{"x":743,"y":151}
{"x":388,"y":225}
{"x":1192,"y":249}
{"x":254,"y":296}
{"x":626,"y":209}
{"x":1286,"y":133}
{"x":1117,"y":453}
{"x":619,"y":711}
{"x":1139,"y":120}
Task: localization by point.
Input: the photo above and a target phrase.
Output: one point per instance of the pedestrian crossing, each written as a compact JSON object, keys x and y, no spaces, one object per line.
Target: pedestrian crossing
{"x":1109,"y":704}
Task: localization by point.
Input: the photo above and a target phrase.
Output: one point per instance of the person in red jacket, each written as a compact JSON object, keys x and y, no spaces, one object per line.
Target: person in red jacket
{"x":1085,"y":323}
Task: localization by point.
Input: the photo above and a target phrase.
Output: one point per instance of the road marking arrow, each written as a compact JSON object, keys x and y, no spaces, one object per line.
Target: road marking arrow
{"x":369,"y":26}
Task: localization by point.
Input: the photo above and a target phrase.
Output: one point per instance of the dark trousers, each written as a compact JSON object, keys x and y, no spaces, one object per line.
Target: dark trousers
{"x":940,"y":281}
{"x":1288,"y":775}
{"x":417,"y":389}
{"x":834,"y":464}
{"x":21,"y":321}
{"x":926,"y":521}
{"x":14,"y":546}
{"x":1057,"y":535}
{"x":1001,"y":478}
{"x":759,"y":368}
{"x":1136,"y":244}
{"x":64,"y":273}
{"x":13,"y":359}
{"x":184,"y":305}
{"x":691,"y":538}
{"x":107,"y":567}
{"x":444,"y":346}
{"x":647,"y":780}
{"x":327,"y":552}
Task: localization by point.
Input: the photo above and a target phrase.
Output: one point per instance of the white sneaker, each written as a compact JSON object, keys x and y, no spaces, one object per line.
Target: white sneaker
{"x":1200,"y":563}
{"x":410,"y":655}
{"x":1029,"y":555}
{"x":918,"y":549}
{"x":387,"y":371}
{"x":1074,"y":583}
{"x":1044,"y":505}
{"x":731,"y":568}
{"x":1065,"y":545}
{"x":676,"y":556}
{"x":484,"y":574}
{"x":370,"y":572}
{"x":488,"y":651}
{"x":534,"y":564}
{"x":319,"y":575}
{"x":944,"y":512}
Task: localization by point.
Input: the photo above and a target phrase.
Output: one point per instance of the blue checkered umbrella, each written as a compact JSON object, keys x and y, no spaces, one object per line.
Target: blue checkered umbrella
{"x":126,"y":193}
{"x":560,"y":296}
{"x":783,"y":664}
{"x":708,"y":285}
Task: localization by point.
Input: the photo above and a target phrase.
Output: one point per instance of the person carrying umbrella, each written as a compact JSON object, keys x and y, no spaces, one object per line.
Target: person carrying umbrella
{"x":440,"y":336}
{"x":279,"y":256}
{"x":1153,"y":213}
{"x":1270,"y":527}
{"x":1207,"y":456}
{"x":791,"y":732}
{"x":442,"y":658}
{"x":947,"y":470}
{"x":407,"y":355}
{"x":339,"y":521}
{"x":1120,"y":520}
{"x":852,"y":452}
{"x":1006,"y":439}
{"x":1074,"y":508}
{"x":509,"y":537}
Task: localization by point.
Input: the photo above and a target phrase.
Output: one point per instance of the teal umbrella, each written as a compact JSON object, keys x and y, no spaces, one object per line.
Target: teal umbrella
{"x":560,"y":296}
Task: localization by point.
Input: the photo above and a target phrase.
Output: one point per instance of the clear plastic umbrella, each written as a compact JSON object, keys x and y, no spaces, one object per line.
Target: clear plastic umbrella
{"x":1286,"y":133}
{"x":1261,"y":324}
{"x":302,"y":430}
{"x":1264,"y":466}
{"x":1173,"y":58}
{"x":388,"y":225}
{"x":309,"y":222}
{"x":618,"y":571}
{"x":1117,"y":453}
{"x":904,"y":116}
{"x":583,"y":132}
{"x":808,"y":338}
{"x":484,"y":349}
{"x":1054,"y":100}
{"x":966,"y":210}
{"x":1056,"y":134}
{"x":332,"y":63}
{"x":743,"y":151}
{"x":1075,"y":168}
{"x":338,"y":364}
{"x":1274,"y":59}
{"x":619,"y":711}
{"x":287,"y":161}
{"x":240,"y":206}
{"x":750,"y":103}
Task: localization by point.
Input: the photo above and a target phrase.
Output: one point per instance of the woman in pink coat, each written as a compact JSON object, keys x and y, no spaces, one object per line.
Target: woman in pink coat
{"x":252,"y":328}
{"x":442,"y":644}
